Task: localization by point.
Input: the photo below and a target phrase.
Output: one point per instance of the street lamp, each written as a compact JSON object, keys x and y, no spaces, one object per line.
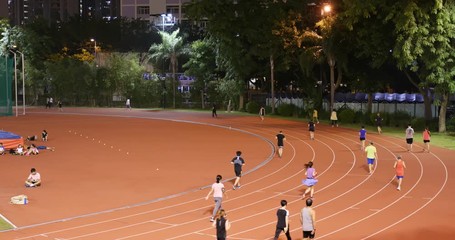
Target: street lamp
{"x":93,"y":40}
{"x":15,"y":77}
{"x":326,"y":9}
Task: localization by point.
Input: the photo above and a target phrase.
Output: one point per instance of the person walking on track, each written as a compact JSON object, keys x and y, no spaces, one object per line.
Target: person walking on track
{"x":315,"y":116}
{"x":399,"y":167}
{"x":372,"y":155}
{"x":334,"y":118}
{"x":308,"y":220}
{"x":222,"y":225}
{"x":218,"y":192}
{"x":310,"y":180}
{"x":214,"y":115}
{"x":426,"y":139}
{"x":409,"y":137}
{"x":280,"y":142}
{"x":238,"y":164}
{"x":262,"y":113}
{"x":362,"y":136}
{"x":282,"y":224}
{"x":311,"y":129}
{"x":378,"y":121}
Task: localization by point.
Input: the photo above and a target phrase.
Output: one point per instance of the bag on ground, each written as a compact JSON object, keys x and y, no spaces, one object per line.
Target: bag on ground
{"x":19,"y":199}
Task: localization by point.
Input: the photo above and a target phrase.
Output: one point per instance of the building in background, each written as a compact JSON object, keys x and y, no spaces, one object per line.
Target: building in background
{"x":161,"y":13}
{"x":4,"y":9}
{"x":106,"y":9}
{"x":55,"y":11}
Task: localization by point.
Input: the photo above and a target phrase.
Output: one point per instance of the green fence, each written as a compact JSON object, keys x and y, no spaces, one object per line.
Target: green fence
{"x":6,"y":79}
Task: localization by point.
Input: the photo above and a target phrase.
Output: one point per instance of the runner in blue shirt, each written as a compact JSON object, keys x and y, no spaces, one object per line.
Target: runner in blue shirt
{"x":362,"y":135}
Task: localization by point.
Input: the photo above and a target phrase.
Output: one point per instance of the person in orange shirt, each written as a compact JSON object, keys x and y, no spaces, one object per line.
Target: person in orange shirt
{"x":426,"y":139}
{"x":399,"y":167}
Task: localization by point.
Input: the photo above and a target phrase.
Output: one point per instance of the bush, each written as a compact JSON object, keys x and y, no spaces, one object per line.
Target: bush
{"x":418,"y":123}
{"x":347,"y":116}
{"x":268,"y":110}
{"x":286,"y":109}
{"x":252,"y":107}
{"x":400,"y":119}
{"x":450,"y":125}
{"x":323,"y":115}
{"x":361,"y":117}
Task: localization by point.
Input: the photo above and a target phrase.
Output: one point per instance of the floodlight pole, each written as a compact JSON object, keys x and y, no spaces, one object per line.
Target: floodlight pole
{"x":23,"y":81}
{"x":15,"y":78}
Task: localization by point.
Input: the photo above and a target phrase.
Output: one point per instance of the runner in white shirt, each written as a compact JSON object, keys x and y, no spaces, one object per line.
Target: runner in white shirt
{"x":218,"y":191}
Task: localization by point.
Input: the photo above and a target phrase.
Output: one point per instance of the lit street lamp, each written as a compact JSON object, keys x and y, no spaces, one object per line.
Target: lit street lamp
{"x":93,"y":40}
{"x":326,"y":9}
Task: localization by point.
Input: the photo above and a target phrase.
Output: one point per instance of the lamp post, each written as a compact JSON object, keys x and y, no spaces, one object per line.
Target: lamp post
{"x":15,"y":78}
{"x":93,"y":40}
{"x":163,"y":16}
{"x":23,"y":80}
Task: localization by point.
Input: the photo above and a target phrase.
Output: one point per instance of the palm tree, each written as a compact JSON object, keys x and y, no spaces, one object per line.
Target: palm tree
{"x":169,"y":49}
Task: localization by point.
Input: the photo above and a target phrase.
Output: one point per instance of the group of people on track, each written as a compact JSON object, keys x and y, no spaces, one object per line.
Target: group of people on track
{"x":307,"y":215}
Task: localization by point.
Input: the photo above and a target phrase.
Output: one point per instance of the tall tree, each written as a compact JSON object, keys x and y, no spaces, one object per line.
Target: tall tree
{"x":421,"y":34}
{"x":202,"y":66}
{"x":170,"y":49}
{"x":244,"y":35}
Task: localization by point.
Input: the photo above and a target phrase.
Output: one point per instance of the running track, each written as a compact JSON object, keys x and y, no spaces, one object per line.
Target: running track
{"x":350,"y":204}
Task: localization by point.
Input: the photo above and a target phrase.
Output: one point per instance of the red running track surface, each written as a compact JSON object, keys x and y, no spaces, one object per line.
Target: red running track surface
{"x":119,"y":174}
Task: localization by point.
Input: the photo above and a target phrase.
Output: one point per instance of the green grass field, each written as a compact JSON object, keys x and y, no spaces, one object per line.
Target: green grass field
{"x":444,"y":140}
{"x":4,"y":225}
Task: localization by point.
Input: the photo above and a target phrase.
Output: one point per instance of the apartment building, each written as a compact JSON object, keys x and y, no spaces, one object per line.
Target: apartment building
{"x":161,"y":13}
{"x":55,"y":11}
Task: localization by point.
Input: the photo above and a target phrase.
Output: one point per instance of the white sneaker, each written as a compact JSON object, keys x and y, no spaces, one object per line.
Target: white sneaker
{"x":398,"y":188}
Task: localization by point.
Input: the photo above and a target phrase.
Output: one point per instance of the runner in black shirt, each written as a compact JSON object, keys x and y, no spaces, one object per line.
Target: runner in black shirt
{"x":282,"y":224}
{"x":280,"y":142}
{"x":238,"y":163}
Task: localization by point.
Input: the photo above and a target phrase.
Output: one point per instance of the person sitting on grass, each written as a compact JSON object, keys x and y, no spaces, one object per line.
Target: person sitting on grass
{"x":34,"y":179}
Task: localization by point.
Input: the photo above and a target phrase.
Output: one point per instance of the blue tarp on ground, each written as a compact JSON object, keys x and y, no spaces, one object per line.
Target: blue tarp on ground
{"x":8,"y":135}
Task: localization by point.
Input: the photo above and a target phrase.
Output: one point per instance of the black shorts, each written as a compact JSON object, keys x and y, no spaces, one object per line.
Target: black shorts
{"x":409,"y":140}
{"x":426,"y":141}
{"x":307,"y":234}
{"x":362,"y":139}
{"x":238,"y":172}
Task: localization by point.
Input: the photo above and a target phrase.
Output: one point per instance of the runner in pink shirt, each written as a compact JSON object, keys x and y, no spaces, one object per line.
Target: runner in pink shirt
{"x":426,"y":139}
{"x":218,"y":191}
